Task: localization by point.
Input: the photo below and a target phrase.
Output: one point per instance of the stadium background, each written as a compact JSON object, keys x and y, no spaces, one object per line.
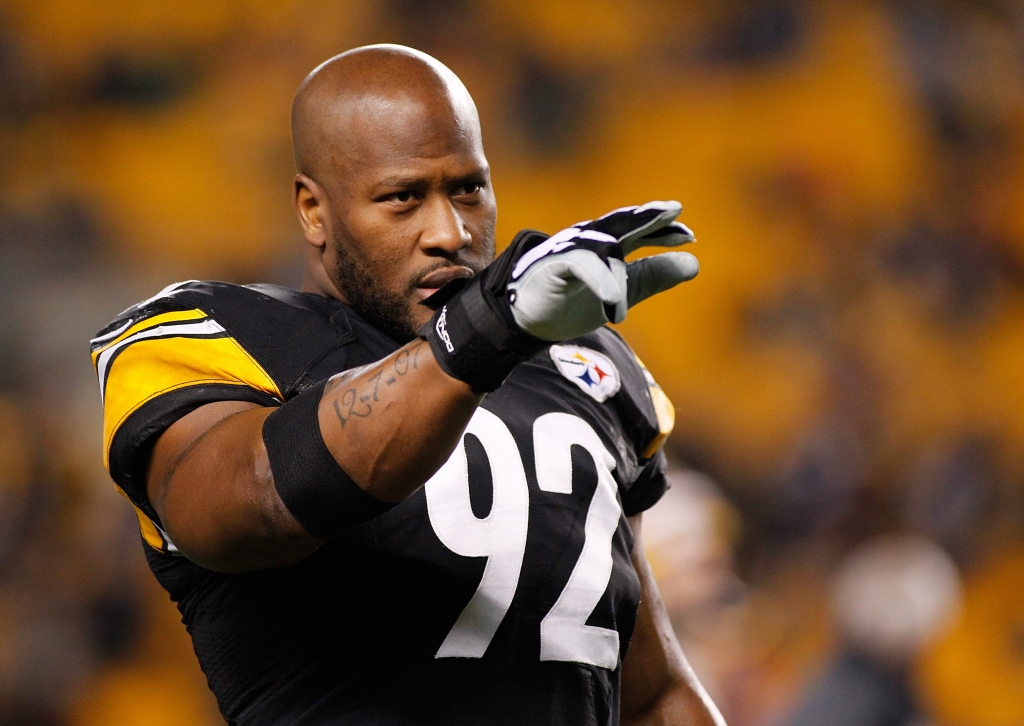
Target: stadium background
{"x":844,"y":540}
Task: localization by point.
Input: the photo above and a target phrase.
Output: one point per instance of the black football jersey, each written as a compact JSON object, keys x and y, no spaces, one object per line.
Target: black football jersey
{"x":501,"y":592}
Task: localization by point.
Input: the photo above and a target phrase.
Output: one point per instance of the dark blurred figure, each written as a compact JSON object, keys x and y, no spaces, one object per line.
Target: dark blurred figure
{"x":143,"y":83}
{"x":551,"y":106}
{"x":955,"y":497}
{"x":756,"y":32}
{"x":19,"y":80}
{"x":893,"y":596}
{"x":964,"y":76}
{"x":965,"y":59}
{"x":433,"y":26}
{"x":956,"y":270}
{"x":855,"y":691}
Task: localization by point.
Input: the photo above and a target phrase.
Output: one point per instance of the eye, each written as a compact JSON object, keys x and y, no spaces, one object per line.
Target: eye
{"x":403,"y":196}
{"x":469,"y":189}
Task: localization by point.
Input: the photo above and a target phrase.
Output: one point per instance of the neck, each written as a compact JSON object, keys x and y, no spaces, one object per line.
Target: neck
{"x":316,"y":280}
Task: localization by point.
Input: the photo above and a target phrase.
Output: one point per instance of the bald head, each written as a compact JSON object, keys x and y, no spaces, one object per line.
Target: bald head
{"x":370,"y":96}
{"x":393,"y":190}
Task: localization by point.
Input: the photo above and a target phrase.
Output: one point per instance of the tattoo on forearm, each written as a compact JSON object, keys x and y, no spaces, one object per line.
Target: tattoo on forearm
{"x":357,"y":400}
{"x":401,"y":364}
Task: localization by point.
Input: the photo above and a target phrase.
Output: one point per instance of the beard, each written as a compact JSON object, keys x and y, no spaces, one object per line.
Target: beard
{"x":390,"y":311}
{"x":384,"y":309}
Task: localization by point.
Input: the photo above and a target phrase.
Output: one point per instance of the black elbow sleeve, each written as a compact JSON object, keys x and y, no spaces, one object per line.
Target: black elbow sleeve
{"x":316,"y":490}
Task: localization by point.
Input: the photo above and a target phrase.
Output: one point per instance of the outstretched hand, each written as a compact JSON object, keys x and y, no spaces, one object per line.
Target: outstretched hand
{"x":545,"y":289}
{"x":577,"y":280}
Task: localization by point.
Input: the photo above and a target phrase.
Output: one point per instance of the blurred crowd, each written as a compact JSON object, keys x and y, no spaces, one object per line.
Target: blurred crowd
{"x":844,"y":540}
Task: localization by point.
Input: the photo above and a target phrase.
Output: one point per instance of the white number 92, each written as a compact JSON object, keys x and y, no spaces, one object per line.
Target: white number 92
{"x":501,"y":537}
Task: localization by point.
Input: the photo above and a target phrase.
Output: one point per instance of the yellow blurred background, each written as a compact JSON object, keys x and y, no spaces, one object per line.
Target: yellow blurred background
{"x":848,"y":368}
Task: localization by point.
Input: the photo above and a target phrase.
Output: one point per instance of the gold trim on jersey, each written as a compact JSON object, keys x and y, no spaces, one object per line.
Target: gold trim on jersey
{"x":153,"y":535}
{"x":165,"y":353}
{"x":663,"y":409}
{"x":174,"y":316}
{"x":150,"y":532}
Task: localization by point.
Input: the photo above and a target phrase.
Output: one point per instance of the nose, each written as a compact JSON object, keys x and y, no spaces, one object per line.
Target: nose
{"x":444,"y":231}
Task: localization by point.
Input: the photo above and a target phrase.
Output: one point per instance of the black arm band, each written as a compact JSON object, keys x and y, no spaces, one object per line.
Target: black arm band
{"x":318,"y":492}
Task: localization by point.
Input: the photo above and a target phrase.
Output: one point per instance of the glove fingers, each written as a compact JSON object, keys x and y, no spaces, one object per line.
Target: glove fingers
{"x":673,"y":234}
{"x":630,"y":223}
{"x":658,"y":273}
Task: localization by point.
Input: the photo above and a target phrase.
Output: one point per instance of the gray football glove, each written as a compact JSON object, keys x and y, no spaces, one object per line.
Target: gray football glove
{"x":544,"y":289}
{"x":576,"y":280}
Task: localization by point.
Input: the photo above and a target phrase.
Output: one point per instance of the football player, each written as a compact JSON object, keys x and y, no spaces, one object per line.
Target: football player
{"x":410,"y":493}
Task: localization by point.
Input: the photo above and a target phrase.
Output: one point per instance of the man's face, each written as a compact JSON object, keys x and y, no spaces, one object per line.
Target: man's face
{"x":411,"y":208}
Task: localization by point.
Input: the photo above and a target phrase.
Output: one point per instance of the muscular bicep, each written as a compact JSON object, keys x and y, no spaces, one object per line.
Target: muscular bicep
{"x":183,"y":440}
{"x":389,"y":426}
{"x":210,"y":483}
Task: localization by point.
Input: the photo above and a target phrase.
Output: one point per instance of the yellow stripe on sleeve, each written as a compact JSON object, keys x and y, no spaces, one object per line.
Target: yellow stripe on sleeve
{"x":663,"y":409}
{"x":150,"y":367}
{"x":175,"y":316}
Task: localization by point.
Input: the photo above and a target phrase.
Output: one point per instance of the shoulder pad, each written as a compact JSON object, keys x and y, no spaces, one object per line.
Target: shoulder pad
{"x":646,"y":412}
{"x":198,"y":342}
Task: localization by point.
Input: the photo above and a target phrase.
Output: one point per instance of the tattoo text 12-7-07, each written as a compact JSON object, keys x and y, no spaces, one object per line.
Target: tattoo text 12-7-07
{"x":357,"y":401}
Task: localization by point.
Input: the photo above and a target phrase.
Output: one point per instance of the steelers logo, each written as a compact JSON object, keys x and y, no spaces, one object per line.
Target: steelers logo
{"x":593,"y":372}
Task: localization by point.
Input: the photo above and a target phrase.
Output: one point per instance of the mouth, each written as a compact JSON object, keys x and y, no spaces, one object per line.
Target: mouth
{"x":434,"y":281}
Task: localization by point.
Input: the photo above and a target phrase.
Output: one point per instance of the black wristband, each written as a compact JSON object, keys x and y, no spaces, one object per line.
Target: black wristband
{"x":473,"y":336}
{"x":316,"y":490}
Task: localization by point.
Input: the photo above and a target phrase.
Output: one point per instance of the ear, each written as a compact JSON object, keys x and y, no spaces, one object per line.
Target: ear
{"x":310,"y":202}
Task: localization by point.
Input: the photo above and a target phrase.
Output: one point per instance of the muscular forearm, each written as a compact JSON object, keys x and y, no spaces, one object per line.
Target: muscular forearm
{"x":392,"y":424}
{"x":389,"y":425}
{"x":658,"y":685}
{"x":681,"y":702}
